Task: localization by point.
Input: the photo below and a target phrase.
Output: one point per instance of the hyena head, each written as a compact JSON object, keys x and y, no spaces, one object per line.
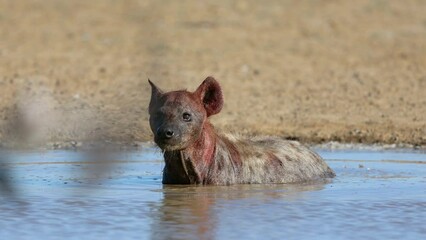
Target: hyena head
{"x":177,"y":118}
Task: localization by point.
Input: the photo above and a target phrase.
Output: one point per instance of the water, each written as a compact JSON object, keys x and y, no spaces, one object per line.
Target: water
{"x":376,"y":195}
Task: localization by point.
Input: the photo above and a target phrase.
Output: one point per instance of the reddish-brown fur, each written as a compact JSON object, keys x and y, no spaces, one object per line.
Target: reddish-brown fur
{"x":196,"y":154}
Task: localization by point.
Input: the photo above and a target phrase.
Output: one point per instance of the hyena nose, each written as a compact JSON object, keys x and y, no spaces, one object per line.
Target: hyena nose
{"x":165,"y":133}
{"x":169,"y":133}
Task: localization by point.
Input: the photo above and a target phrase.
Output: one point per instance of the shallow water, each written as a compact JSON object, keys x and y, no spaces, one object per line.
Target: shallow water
{"x":376,"y":195}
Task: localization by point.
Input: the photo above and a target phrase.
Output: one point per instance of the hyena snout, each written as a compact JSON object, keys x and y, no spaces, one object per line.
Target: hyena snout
{"x":165,"y":132}
{"x":169,"y":137}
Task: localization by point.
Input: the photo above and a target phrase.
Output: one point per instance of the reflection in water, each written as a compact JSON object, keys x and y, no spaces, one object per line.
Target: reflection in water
{"x":193,"y":212}
{"x":5,"y":185}
{"x":383,"y":200}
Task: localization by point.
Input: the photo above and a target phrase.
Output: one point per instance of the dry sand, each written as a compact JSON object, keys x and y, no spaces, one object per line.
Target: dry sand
{"x":317,"y":71}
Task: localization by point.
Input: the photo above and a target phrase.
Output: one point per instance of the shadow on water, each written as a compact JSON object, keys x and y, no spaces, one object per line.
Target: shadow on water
{"x":6,"y":187}
{"x":188,"y":212}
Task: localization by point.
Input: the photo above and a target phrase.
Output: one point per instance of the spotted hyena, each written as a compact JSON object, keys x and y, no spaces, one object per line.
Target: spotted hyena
{"x":195,"y":153}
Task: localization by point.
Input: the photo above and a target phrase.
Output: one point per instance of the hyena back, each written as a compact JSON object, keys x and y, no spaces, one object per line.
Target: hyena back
{"x":195,"y":153}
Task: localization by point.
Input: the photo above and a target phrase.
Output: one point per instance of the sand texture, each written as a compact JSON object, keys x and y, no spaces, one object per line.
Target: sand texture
{"x":316,"y":71}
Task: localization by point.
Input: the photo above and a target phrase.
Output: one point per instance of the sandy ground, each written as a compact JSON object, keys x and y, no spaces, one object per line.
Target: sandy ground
{"x":317,"y":71}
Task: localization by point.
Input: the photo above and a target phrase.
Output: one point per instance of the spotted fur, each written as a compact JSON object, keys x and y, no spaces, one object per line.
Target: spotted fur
{"x":204,"y":156}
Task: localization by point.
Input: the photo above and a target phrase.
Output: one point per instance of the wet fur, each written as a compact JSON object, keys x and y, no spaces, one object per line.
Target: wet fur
{"x":200,"y":155}
{"x":238,"y":159}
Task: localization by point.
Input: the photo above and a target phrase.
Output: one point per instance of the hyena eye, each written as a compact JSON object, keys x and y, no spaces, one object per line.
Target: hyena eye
{"x":186,"y":117}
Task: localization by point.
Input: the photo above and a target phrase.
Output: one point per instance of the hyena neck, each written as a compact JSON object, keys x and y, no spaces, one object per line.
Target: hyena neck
{"x":191,"y":165}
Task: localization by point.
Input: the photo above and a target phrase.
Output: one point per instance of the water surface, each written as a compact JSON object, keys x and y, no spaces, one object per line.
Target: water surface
{"x":376,"y":195}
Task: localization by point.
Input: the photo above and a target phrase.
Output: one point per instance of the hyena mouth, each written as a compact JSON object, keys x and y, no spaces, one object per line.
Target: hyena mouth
{"x":167,"y":145}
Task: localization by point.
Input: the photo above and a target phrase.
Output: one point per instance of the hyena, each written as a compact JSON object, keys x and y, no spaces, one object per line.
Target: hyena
{"x":195,"y":153}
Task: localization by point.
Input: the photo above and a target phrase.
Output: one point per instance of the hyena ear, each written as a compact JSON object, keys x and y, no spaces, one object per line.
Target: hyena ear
{"x":211,"y":96}
{"x":156,"y":94}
